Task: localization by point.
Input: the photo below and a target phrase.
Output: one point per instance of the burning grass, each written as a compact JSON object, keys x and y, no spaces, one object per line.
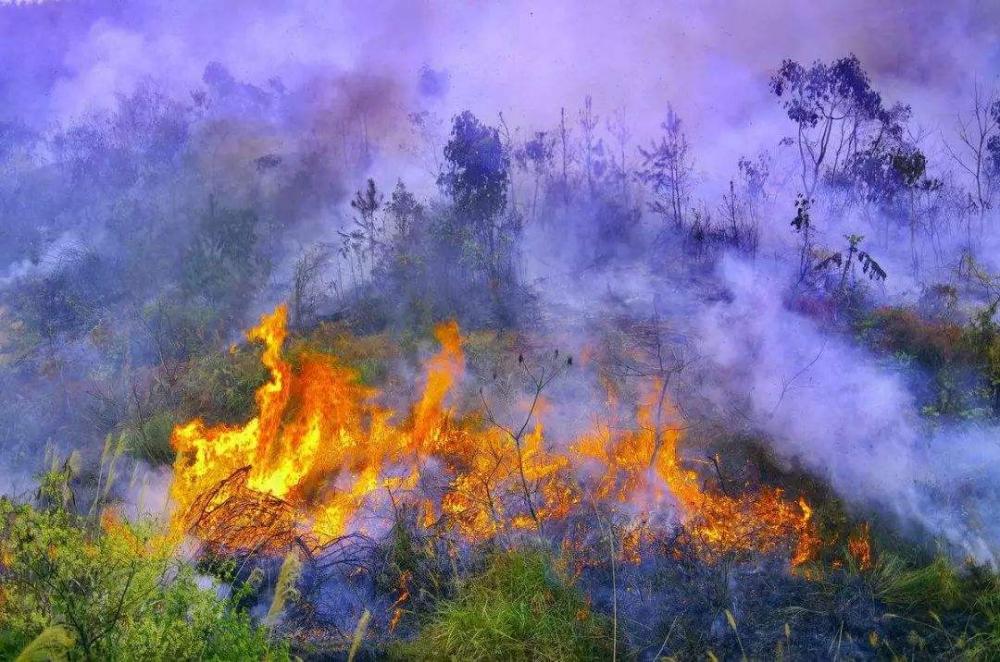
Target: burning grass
{"x":324,"y":458}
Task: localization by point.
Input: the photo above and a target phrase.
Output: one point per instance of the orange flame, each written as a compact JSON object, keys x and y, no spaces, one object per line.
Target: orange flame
{"x":859,"y":545}
{"x":321,"y":454}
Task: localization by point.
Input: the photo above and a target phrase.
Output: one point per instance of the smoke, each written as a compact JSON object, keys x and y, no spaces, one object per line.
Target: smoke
{"x":709,"y":59}
{"x":831,"y":408}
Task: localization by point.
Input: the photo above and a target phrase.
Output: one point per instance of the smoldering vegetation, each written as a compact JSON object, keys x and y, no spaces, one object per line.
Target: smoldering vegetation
{"x":513,"y":390}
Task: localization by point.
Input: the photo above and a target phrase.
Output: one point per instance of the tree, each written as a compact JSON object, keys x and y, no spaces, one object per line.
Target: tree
{"x":847,"y":260}
{"x":593,"y":147}
{"x":306,"y":285}
{"x":367,"y":203}
{"x":475,"y":173}
{"x":619,"y":130}
{"x":536,"y":157}
{"x":802,"y":223}
{"x":404,"y":210}
{"x":667,"y":167}
{"x":565,"y":155}
{"x":837,"y":114}
{"x":476,"y":177}
{"x":910,"y":170}
{"x":979,"y":137}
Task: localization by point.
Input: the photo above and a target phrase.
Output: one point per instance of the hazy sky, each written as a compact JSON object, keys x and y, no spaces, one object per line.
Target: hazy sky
{"x":710,"y":59}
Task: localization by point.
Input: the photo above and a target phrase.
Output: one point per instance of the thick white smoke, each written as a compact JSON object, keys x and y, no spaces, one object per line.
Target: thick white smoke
{"x":837,"y":411}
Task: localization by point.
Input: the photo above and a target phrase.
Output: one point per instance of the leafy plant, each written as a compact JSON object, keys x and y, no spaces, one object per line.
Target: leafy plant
{"x":110,"y":592}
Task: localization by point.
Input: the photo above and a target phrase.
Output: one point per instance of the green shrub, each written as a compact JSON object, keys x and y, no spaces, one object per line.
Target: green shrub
{"x":519,"y":608}
{"x":110,"y":592}
{"x":934,"y":343}
{"x":149,"y":440}
{"x":219,"y":387}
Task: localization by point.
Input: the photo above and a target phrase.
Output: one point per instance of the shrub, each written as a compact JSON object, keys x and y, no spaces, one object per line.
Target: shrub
{"x":935,"y":343}
{"x":149,"y":439}
{"x":220,"y":387}
{"x":112,"y":592}
{"x":519,"y":608}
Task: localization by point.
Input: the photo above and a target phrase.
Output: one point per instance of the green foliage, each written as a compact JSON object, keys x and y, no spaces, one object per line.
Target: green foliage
{"x":371,"y":355}
{"x":519,"y":608}
{"x":983,"y":337}
{"x":934,"y":343}
{"x":223,"y":264}
{"x":115,"y":590}
{"x":476,"y":175}
{"x":54,"y":485}
{"x":181,"y":329}
{"x":220,"y":387}
{"x":933,"y":586}
{"x":149,"y":439}
{"x":955,"y":357}
{"x":52,"y":643}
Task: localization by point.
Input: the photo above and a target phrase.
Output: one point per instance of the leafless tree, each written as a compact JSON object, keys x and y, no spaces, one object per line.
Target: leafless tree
{"x":667,"y":168}
{"x":974,"y":129}
{"x":307,"y":285}
{"x":564,"y":135}
{"x":619,"y":130}
{"x":593,"y":147}
{"x":649,"y":352}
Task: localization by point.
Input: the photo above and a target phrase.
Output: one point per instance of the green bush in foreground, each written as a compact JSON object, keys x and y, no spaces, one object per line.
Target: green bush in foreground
{"x":517,"y":609}
{"x":73,"y":590}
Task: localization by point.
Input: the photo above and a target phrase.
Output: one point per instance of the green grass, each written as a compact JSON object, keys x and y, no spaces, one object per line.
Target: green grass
{"x":72,"y":589}
{"x":934,"y":586}
{"x":984,"y":644}
{"x":519,"y":608}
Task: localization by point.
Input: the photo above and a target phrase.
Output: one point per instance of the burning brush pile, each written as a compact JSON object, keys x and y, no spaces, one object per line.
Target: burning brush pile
{"x":325,"y":460}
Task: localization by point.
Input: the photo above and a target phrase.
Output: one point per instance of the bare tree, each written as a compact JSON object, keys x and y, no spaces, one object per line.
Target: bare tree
{"x":564,"y":134}
{"x":537,"y":380}
{"x":535,"y":157}
{"x":650,"y":352}
{"x":509,"y":139}
{"x":668,"y":168}
{"x":593,"y":147}
{"x":307,"y":286}
{"x":974,"y":131}
{"x":619,"y":130}
{"x":430,"y":134}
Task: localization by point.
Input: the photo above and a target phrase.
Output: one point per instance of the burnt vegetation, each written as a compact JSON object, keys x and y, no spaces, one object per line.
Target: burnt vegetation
{"x":601,"y":500}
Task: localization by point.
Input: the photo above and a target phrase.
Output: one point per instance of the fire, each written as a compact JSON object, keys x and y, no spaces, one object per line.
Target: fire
{"x":404,"y":595}
{"x":860,"y":547}
{"x":645,"y":462}
{"x":322,"y":449}
{"x":322,"y":458}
